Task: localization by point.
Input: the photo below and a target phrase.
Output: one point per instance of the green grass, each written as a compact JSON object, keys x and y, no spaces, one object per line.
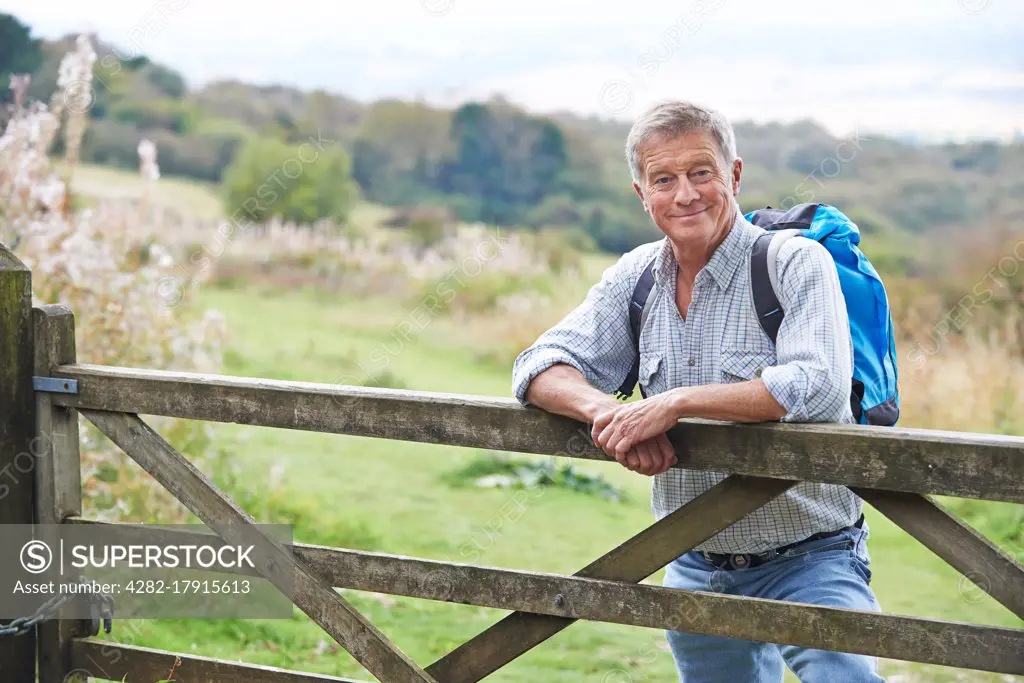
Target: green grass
{"x":197,"y":198}
{"x":391,"y":496}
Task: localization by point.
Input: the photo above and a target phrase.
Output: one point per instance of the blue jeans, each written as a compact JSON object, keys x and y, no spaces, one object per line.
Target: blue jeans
{"x":831,"y":572}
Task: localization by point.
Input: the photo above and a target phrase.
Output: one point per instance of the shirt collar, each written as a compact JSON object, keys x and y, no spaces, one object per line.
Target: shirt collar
{"x":724,"y":261}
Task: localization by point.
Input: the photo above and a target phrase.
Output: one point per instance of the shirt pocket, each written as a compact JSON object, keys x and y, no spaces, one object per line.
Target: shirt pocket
{"x":650,"y":371}
{"x":741,"y":365}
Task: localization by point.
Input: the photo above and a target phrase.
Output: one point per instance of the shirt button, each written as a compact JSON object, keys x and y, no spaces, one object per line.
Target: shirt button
{"x":757,"y":373}
{"x":691,"y":362}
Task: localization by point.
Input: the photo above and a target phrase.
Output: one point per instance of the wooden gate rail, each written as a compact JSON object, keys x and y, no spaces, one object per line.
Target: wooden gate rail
{"x":134,"y":664}
{"x":918,"y":639}
{"x":890,"y":468}
{"x":986,"y":466}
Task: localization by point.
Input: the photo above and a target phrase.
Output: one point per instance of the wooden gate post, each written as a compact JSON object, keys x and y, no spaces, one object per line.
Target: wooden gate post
{"x":17,"y":426}
{"x":58,"y":476}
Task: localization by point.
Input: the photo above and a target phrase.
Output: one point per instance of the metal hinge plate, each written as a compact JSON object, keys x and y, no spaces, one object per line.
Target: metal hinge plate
{"x":55,"y":385}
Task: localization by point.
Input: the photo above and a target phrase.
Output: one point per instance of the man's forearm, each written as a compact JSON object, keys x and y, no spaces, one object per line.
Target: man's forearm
{"x":563,"y":390}
{"x":742,"y":402}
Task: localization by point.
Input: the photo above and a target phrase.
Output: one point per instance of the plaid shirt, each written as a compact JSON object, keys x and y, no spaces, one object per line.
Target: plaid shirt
{"x":720,"y":341}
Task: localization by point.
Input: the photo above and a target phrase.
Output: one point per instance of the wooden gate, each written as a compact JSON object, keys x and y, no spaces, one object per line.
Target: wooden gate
{"x":892,"y":469}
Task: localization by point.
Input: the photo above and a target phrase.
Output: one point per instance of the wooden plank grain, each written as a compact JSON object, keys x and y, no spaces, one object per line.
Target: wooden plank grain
{"x":61,"y":495}
{"x":984,"y":466}
{"x":133,"y":664}
{"x":58,"y":475}
{"x":967,"y":551}
{"x":645,"y":553}
{"x":307,"y":590}
{"x":893,"y":636}
{"x":17,"y":424}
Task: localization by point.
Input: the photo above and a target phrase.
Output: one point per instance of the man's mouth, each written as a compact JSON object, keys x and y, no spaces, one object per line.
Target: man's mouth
{"x":688,"y":215}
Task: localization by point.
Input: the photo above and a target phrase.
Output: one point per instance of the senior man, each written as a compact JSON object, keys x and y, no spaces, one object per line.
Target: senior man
{"x":703,"y":354}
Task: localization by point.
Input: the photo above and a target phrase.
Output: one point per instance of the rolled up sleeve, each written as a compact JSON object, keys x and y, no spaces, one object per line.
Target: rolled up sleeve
{"x":594,"y":338}
{"x":814,"y":350}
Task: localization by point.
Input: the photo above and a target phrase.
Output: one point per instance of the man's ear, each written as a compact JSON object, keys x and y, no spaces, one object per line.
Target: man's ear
{"x":737,"y":173}
{"x":640,"y":194}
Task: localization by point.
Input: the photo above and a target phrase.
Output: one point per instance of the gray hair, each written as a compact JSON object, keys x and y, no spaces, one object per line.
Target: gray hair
{"x":670,"y":119}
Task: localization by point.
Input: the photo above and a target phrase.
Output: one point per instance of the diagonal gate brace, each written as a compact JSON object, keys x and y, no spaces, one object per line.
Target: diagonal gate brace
{"x":717,"y":508}
{"x":309,"y":592}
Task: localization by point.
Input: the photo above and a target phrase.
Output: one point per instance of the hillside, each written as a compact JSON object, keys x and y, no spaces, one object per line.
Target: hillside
{"x":494,"y":162}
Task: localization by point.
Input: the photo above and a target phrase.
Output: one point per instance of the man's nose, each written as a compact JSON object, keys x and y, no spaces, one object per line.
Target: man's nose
{"x":686,"y":193}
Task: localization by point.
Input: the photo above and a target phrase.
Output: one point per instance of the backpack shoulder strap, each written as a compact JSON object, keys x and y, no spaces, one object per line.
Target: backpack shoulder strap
{"x":639,"y":307}
{"x":764,"y":279}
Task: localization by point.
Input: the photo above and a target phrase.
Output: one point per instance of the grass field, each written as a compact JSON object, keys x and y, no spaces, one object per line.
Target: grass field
{"x":194,"y":198}
{"x":198,"y":199}
{"x":391,"y":497}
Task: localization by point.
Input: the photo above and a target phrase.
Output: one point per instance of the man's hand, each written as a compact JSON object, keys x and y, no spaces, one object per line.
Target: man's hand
{"x":562,"y":389}
{"x":634,"y":434}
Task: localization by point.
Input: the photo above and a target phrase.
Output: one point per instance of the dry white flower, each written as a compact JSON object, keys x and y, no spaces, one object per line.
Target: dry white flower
{"x":101,"y":263}
{"x":147,"y":160}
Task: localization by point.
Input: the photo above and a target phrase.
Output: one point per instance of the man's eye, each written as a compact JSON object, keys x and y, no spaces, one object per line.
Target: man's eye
{"x":702,"y":174}
{"x":664,"y":177}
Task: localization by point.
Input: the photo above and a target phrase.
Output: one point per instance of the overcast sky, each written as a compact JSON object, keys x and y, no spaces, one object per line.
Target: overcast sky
{"x":933,"y":68}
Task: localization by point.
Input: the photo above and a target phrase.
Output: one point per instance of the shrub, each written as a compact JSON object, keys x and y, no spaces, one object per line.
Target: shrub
{"x":303,"y":184}
{"x":498,"y":470}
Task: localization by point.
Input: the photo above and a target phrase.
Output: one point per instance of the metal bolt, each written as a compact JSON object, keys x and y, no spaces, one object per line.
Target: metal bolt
{"x":559,"y":600}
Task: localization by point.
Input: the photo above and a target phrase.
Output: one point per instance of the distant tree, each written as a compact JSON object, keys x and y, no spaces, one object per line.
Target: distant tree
{"x":751,"y":202}
{"x":44,"y":78}
{"x":332,"y":116}
{"x":984,"y":157}
{"x":398,"y":151}
{"x":585,"y":176}
{"x":168,"y":82}
{"x":115,"y":84}
{"x":506,"y":160}
{"x":870,"y":223}
{"x":170,"y":114}
{"x":19,"y":51}
{"x":921,"y":205}
{"x":116,"y":144}
{"x":270,"y":178}
{"x":618,"y":227}
{"x":808,"y":157}
{"x":203,"y":156}
{"x":554,"y":212}
{"x":136,"y":63}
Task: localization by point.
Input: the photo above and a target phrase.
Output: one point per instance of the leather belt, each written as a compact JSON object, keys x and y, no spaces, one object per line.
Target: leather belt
{"x":730,"y":561}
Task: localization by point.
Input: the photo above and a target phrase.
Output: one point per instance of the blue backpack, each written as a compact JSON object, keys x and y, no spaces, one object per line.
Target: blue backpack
{"x":874,"y":397}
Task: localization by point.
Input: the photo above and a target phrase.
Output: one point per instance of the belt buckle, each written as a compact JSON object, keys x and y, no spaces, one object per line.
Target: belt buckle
{"x":740,"y":560}
{"x":720,"y":562}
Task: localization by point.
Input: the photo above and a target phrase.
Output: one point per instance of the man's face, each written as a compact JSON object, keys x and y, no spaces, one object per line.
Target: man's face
{"x":687,"y":188}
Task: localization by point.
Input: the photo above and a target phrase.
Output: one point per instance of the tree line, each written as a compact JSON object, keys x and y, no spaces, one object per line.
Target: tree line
{"x":494,"y":162}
